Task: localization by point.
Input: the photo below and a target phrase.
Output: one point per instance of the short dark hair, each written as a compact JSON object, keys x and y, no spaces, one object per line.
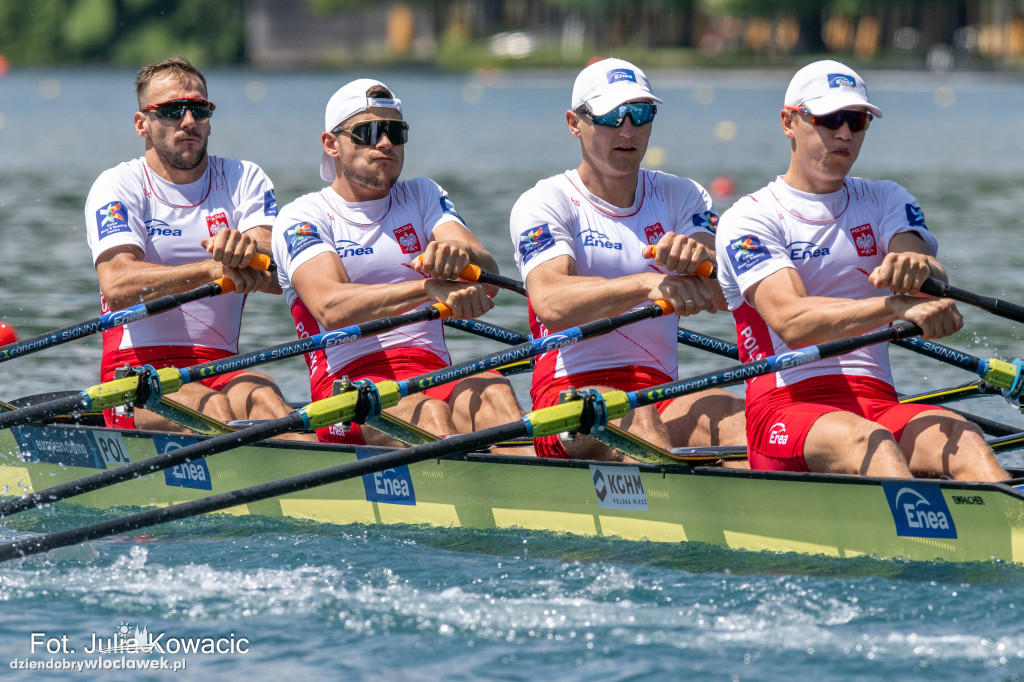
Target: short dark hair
{"x":175,"y":66}
{"x":379,"y":92}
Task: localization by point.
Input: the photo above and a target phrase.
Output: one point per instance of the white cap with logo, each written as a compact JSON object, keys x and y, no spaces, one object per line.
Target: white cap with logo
{"x":606,"y":84}
{"x":826,"y":86}
{"x":349,"y":100}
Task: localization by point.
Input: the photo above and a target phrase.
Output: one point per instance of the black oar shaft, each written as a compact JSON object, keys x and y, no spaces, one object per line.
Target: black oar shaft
{"x":107,"y":321}
{"x":442,"y":448}
{"x":1011,"y":311}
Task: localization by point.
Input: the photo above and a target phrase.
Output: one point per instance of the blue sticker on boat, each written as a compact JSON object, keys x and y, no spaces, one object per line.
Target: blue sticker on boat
{"x":68,"y":447}
{"x":392,"y":486}
{"x":193,"y":474}
{"x":919,"y":509}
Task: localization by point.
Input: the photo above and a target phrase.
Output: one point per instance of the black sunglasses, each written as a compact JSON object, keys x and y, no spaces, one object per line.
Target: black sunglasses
{"x":857,"y":120}
{"x":641,"y":113}
{"x":175,"y":108}
{"x":370,"y":132}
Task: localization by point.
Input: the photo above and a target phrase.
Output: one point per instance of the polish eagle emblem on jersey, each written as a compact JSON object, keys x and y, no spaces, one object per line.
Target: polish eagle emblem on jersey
{"x":654,"y":233}
{"x":407,"y":239}
{"x":216,"y":222}
{"x":864,"y":240}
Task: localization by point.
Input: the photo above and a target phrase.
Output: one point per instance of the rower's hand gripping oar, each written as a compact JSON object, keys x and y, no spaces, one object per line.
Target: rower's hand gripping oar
{"x":365,"y":402}
{"x":148,"y":384}
{"x":473,"y":273}
{"x":117,"y":318}
{"x":705,"y":268}
{"x":548,"y":421}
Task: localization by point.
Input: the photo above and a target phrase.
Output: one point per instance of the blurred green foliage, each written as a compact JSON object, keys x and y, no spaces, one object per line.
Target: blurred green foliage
{"x":121,"y":32}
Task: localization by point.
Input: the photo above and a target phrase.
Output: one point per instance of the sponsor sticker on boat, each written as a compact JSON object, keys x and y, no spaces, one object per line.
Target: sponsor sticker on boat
{"x":193,"y":474}
{"x":618,"y":487}
{"x":919,"y":509}
{"x":69,"y":447}
{"x":392,"y":486}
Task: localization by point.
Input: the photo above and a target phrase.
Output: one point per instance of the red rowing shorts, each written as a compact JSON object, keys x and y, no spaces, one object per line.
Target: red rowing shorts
{"x":393,"y":364}
{"x":629,"y":378}
{"x":779,"y":420}
{"x":160,"y":357}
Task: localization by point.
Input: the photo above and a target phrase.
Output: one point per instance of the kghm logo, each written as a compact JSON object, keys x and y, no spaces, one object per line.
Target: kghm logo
{"x":919,"y":510}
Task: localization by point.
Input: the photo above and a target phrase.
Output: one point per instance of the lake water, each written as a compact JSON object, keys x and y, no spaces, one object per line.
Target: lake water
{"x":372,"y":603}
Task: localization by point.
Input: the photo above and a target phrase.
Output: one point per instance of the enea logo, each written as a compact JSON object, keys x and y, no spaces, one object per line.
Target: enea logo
{"x":841,"y":80}
{"x":618,"y":487}
{"x":919,"y":510}
{"x":746,"y":252}
{"x":708,"y":220}
{"x":617,"y":75}
{"x":392,"y":486}
{"x":806,"y":251}
{"x":158,"y":228}
{"x":915,"y":217}
{"x":535,"y":240}
{"x":595,"y":238}
{"x":300,"y":237}
{"x":269,"y":203}
{"x":347,"y":249}
{"x":777,"y":434}
{"x":111,"y":219}
{"x":193,"y":474}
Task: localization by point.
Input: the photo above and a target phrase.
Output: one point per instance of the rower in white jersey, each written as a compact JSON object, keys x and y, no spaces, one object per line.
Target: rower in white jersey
{"x":370,"y":246}
{"x":168,"y":222}
{"x":585,"y":247}
{"x":808,"y":259}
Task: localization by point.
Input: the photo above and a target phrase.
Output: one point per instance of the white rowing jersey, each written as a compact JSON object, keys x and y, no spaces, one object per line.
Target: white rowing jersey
{"x":560,"y":217}
{"x":833,"y":241}
{"x":376,"y":240}
{"x":131,"y":205}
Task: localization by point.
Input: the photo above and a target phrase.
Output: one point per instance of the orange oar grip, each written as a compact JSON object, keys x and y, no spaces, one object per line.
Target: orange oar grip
{"x":226,"y":285}
{"x":665,"y":306}
{"x":260,"y":261}
{"x":471,"y":273}
{"x":705,"y":269}
{"x":445,"y":311}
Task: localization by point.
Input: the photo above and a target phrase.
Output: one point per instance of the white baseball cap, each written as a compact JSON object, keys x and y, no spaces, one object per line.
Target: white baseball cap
{"x":349,"y":100}
{"x":827,"y":86}
{"x":606,"y":84}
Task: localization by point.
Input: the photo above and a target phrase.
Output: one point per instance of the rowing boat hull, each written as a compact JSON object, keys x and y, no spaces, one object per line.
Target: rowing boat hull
{"x":804,"y":513}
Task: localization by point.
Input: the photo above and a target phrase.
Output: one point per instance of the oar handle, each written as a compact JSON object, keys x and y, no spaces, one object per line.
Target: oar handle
{"x":1010,"y":311}
{"x":704,"y":269}
{"x":260,"y":261}
{"x":473,"y":273}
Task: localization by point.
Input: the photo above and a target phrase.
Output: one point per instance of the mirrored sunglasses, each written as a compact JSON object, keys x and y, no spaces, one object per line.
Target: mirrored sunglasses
{"x":176,"y":108}
{"x":370,"y":132}
{"x":857,"y":120}
{"x":640,"y":112}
